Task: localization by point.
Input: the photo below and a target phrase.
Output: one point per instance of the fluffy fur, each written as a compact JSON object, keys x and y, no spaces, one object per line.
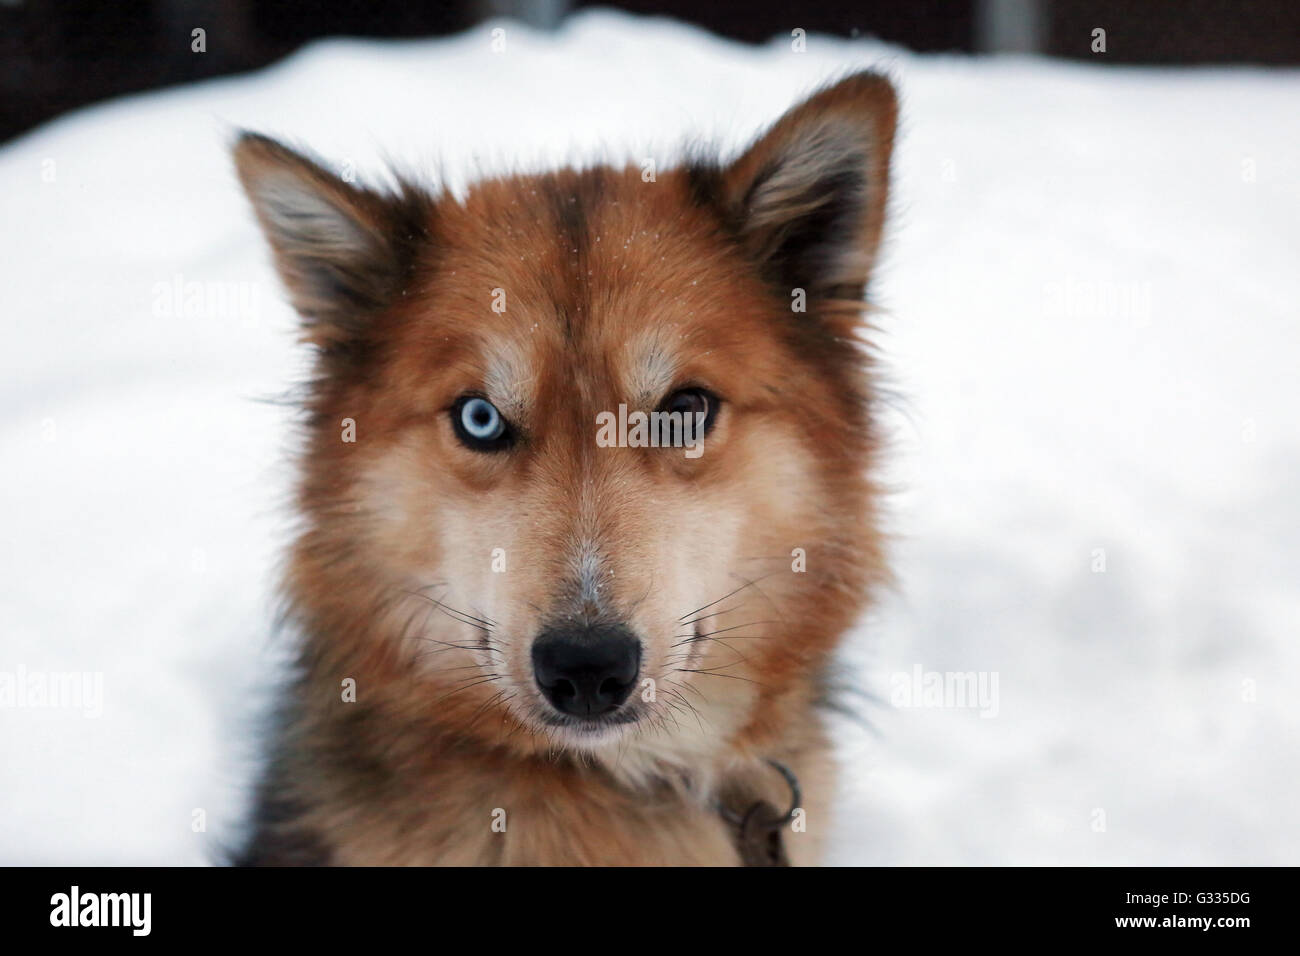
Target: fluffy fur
{"x":425,"y":569}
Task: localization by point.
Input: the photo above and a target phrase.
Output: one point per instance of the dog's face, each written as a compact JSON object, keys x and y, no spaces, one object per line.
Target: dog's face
{"x":587,"y":455}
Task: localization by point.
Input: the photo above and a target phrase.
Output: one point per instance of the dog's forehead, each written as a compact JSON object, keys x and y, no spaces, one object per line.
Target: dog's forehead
{"x":639,"y":368}
{"x":596,"y":276}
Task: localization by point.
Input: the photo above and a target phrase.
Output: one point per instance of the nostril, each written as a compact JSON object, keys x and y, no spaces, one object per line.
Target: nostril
{"x":611,"y":687}
{"x":564,"y":688}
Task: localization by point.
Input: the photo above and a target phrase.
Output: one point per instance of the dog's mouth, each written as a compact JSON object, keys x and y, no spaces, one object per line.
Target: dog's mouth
{"x":593,"y":726}
{"x":588,"y":733}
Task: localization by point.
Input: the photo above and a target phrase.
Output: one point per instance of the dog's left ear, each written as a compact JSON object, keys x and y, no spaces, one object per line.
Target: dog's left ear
{"x":341,"y":250}
{"x":808,"y":198}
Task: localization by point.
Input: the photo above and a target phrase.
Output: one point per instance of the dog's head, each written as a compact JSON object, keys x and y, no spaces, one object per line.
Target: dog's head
{"x":588,"y":451}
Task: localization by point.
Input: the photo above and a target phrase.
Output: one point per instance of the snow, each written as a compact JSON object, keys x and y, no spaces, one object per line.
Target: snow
{"x":1091,"y":325}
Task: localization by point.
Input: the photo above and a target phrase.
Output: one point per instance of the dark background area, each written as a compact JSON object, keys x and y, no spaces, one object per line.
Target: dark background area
{"x":56,"y":55}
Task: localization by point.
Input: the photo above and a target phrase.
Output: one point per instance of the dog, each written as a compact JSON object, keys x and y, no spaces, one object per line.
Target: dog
{"x":529,"y":635}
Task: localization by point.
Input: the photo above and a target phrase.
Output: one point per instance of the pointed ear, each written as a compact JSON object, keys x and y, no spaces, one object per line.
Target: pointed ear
{"x":342,"y":251}
{"x":808,"y":198}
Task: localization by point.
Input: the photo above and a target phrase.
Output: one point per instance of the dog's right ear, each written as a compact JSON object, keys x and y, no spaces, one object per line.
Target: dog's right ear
{"x":808,"y":198}
{"x":342,"y":251}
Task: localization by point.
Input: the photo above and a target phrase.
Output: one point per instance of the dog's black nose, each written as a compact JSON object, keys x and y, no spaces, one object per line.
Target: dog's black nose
{"x":586,"y":671}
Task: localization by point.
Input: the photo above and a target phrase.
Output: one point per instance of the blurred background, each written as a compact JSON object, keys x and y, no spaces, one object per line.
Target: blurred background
{"x":56,"y":55}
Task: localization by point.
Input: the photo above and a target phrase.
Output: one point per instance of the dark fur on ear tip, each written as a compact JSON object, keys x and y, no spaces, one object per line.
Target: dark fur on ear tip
{"x":251,"y":139}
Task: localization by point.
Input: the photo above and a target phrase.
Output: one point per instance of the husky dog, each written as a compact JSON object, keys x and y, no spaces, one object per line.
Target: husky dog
{"x":521,"y":644}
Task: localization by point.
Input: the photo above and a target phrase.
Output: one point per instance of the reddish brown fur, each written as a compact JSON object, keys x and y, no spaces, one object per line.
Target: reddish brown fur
{"x":610,"y":281}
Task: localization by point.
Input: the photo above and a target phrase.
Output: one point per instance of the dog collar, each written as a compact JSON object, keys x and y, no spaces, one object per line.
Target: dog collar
{"x":758,"y":831}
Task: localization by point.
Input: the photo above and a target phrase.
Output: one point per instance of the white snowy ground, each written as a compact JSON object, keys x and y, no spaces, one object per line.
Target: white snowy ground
{"x":1093,"y":295}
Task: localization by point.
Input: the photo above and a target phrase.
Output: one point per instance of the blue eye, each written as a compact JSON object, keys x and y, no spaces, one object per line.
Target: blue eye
{"x":479,"y":425}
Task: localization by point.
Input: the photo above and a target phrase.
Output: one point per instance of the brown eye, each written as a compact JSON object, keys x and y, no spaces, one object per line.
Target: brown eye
{"x":695,"y":402}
